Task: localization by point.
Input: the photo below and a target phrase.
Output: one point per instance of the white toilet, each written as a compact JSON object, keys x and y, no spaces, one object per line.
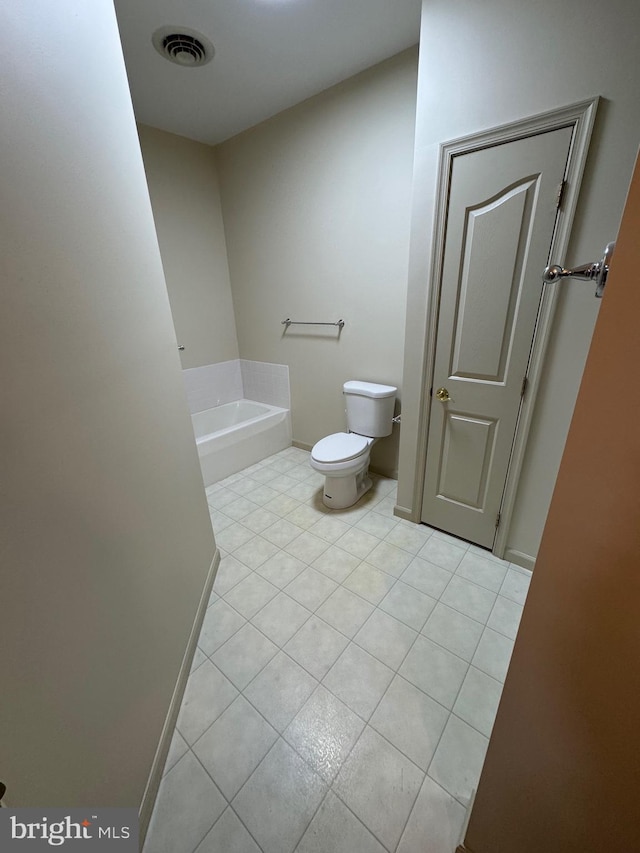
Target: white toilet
{"x":344,"y":456}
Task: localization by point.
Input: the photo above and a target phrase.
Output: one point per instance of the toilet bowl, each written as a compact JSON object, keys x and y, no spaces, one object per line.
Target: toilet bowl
{"x":343,"y":457}
{"x":344,"y":460}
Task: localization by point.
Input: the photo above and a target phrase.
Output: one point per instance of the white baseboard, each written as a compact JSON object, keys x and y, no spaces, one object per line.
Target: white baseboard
{"x":155,"y":776}
{"x":465,"y":822}
{"x":525,"y":561}
{"x":406,"y":513}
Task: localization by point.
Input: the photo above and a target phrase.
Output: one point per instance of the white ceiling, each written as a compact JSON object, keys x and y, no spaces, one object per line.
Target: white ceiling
{"x":269,"y":55}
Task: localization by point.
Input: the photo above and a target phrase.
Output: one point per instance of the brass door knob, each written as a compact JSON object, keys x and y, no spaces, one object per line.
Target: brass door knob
{"x":443,"y":395}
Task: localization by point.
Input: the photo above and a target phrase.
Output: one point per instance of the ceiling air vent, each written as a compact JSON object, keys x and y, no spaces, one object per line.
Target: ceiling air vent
{"x":183,"y":46}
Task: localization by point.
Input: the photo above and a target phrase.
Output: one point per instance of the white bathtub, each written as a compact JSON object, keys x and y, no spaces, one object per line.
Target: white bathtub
{"x":236,"y":435}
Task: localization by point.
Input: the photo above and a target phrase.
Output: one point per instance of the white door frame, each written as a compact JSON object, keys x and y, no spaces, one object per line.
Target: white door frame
{"x":581,"y":117}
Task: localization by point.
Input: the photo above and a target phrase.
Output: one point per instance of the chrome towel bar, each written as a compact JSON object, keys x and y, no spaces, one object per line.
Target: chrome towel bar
{"x":289,"y":322}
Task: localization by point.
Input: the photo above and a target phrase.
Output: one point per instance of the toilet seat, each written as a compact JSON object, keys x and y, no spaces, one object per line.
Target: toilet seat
{"x":340,"y":447}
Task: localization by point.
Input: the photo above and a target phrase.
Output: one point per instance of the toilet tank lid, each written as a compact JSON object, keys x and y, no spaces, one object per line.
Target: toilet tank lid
{"x":368,"y":389}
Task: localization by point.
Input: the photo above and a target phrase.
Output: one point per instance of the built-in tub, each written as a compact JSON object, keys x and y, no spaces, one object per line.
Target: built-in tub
{"x":235,"y":435}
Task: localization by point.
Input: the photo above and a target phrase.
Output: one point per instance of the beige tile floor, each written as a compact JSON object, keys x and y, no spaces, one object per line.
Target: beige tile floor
{"x":346,"y":678}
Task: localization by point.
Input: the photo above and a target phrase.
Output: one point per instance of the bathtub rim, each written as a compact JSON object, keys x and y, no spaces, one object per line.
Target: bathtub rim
{"x":237,"y":427}
{"x":240,"y":445}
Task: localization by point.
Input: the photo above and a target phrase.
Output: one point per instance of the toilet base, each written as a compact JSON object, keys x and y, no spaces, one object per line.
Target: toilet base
{"x":343,"y":492}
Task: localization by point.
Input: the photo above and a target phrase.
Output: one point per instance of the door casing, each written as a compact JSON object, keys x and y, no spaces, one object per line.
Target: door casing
{"x":581,"y":117}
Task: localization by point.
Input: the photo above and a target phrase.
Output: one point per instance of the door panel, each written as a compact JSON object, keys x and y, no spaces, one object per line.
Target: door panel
{"x":501,"y":215}
{"x":484,"y":322}
{"x":460,"y":481}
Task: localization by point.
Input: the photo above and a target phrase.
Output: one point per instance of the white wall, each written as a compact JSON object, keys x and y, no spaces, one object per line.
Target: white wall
{"x":483,"y":65}
{"x":106,"y":541}
{"x":316,"y":205}
{"x":185,"y":196}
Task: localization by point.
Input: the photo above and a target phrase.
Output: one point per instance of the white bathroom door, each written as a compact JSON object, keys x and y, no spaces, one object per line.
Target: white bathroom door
{"x":502,"y":210}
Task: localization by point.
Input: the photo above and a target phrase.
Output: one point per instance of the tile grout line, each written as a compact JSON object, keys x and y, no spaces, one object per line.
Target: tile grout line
{"x":228,"y":802}
{"x":319,"y":682}
{"x":352,"y":639}
{"x":217,"y":789}
{"x":281,"y":735}
{"x":331,"y":790}
{"x":304,"y":831}
{"x":449,"y":711}
{"x":346,"y":805}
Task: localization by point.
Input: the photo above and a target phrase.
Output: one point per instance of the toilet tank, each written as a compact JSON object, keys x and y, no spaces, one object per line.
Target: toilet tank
{"x":369,"y":408}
